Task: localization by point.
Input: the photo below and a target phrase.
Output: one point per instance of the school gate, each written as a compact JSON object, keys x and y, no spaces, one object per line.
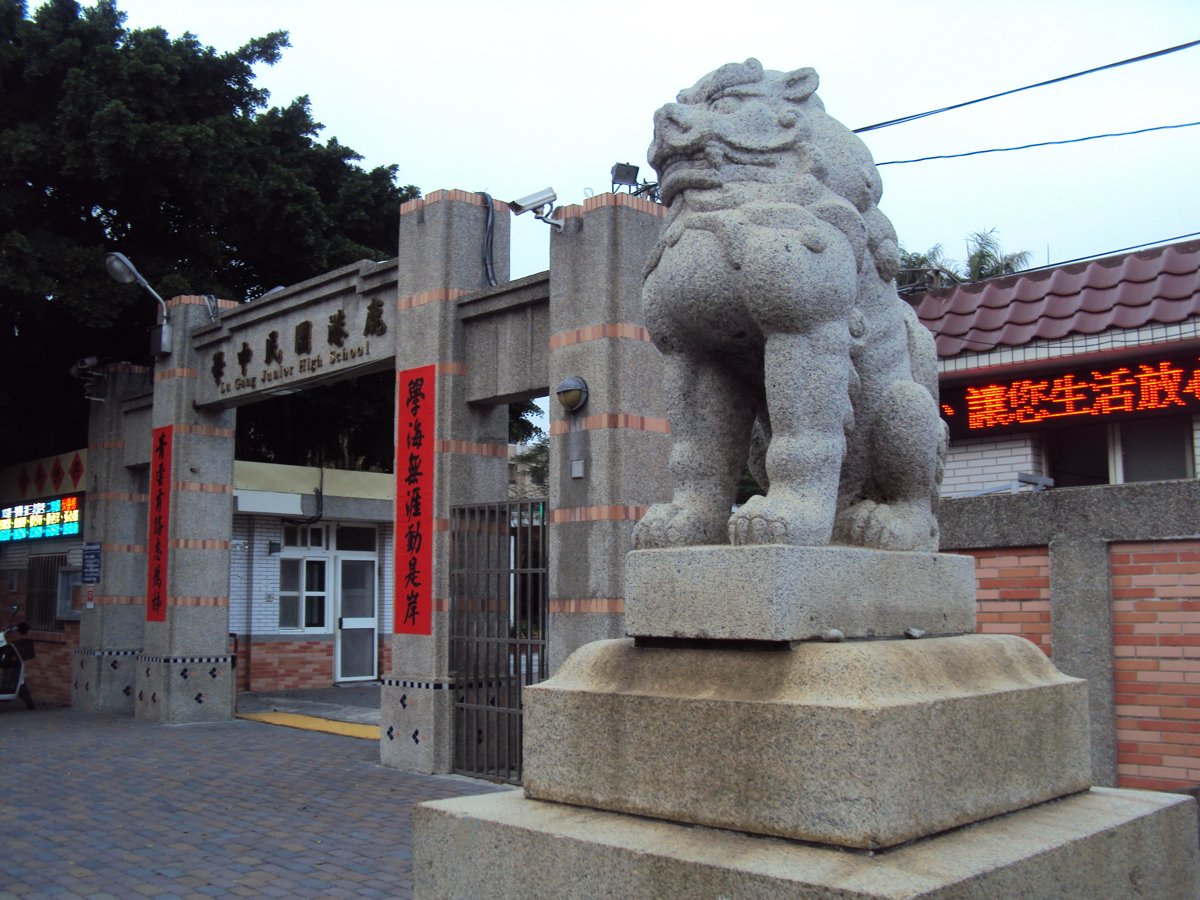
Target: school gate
{"x":161,"y":506}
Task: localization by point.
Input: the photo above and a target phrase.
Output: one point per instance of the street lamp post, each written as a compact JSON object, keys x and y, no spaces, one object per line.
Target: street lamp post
{"x":122,"y":270}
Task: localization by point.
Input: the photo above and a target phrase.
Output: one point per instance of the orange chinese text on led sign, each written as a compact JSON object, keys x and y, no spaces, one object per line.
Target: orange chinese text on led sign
{"x":1134,"y":389}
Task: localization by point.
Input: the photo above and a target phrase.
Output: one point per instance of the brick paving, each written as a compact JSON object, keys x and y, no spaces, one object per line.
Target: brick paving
{"x":103,"y":806}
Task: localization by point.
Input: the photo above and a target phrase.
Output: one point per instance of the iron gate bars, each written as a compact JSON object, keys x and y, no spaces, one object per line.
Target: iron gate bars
{"x":498,"y":606}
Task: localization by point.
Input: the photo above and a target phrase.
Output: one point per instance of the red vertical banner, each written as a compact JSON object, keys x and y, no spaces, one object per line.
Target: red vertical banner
{"x":415,"y":414}
{"x":157,"y":534}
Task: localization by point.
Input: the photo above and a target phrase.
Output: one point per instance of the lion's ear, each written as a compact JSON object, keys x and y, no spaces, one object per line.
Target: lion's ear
{"x":799,"y":85}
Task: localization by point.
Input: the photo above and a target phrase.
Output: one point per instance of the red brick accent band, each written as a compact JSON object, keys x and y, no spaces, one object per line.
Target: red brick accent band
{"x":472,"y":448}
{"x":117,"y":497}
{"x":620,"y":330}
{"x":205,"y":430}
{"x":122,"y":548}
{"x":197,"y":544}
{"x":202,"y":487}
{"x":181,"y":372}
{"x":1156,"y":645}
{"x":588,"y":605}
{"x":440,"y":295}
{"x":597,"y":514}
{"x":452,"y":368}
{"x":1012,"y":593}
{"x":457,"y":196}
{"x":118,"y":600}
{"x":199,"y":300}
{"x":600,"y":201}
{"x":604,"y":421}
{"x":207,"y":602}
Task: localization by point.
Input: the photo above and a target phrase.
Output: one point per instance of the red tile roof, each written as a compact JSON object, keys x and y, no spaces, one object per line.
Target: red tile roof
{"x":1161,"y":285}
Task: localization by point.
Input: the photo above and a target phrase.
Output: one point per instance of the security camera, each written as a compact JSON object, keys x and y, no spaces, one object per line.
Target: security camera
{"x":534,"y":201}
{"x":83,"y":367}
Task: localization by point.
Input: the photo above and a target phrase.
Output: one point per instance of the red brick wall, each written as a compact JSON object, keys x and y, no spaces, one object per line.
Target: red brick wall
{"x":48,"y":674}
{"x":1156,"y":637}
{"x":1012,"y":593}
{"x":288,"y":665}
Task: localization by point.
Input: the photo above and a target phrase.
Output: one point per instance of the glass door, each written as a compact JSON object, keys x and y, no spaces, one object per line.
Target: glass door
{"x":357,"y":641}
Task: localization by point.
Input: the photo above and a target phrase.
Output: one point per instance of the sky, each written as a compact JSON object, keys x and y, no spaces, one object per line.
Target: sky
{"x":512,"y":97}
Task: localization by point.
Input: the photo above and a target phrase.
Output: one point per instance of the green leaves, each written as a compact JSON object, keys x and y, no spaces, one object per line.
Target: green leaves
{"x":164,"y":149}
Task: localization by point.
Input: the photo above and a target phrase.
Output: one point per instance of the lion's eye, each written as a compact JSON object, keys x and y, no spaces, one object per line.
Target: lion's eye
{"x":727,"y":104}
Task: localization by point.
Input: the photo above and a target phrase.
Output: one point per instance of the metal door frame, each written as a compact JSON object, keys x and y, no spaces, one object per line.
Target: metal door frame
{"x":498,"y":618}
{"x":338,"y":560}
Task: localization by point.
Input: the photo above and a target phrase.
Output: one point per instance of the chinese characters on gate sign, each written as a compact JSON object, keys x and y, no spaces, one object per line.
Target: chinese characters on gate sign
{"x":160,"y":517}
{"x":1136,"y":388}
{"x":413,"y":597}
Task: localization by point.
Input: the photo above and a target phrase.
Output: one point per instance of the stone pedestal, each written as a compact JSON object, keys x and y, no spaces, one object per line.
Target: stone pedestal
{"x":764,"y":765}
{"x":1099,"y":845}
{"x":864,"y":744}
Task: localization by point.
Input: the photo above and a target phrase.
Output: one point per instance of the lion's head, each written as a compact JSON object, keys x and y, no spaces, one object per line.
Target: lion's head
{"x":744,"y":125}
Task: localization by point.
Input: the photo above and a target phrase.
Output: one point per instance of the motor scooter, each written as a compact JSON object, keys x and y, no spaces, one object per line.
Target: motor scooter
{"x":15,"y":648}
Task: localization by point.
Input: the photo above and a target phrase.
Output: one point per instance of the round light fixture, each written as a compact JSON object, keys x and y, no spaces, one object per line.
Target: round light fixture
{"x":572,"y":393}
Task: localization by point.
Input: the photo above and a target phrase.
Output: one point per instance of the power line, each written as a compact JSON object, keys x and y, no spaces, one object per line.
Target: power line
{"x":1092,"y":137}
{"x":1067,"y":262}
{"x":1028,"y":87}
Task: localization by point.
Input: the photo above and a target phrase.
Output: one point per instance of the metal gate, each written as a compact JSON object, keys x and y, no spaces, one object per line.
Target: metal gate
{"x":498,"y":600}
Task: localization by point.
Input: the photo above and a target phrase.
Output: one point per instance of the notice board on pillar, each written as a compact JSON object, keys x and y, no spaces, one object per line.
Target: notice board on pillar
{"x":415,"y":416}
{"x":158,"y":531}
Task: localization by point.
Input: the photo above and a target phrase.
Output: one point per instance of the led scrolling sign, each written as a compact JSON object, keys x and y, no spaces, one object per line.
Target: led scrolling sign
{"x":54,"y":518}
{"x":1130,"y":390}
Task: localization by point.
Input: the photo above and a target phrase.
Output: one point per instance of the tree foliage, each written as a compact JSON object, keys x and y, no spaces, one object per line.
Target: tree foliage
{"x":164,"y":149}
{"x":985,"y":259}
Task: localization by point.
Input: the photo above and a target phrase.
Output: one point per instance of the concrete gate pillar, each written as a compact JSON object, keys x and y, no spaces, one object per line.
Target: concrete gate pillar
{"x":608,"y":461}
{"x":110,"y":628}
{"x":440,"y":260}
{"x":184,"y":672}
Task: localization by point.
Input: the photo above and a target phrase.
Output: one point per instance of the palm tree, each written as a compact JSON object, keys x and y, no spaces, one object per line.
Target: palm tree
{"x":986,"y":259}
{"x":923,"y":271}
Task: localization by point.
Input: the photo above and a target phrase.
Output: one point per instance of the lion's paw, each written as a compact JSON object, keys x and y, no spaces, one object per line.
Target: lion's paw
{"x":777,"y":520}
{"x":672,"y":525}
{"x":884,"y":526}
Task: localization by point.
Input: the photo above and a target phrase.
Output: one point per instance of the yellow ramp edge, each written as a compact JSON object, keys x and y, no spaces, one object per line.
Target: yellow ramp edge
{"x":314,"y":723}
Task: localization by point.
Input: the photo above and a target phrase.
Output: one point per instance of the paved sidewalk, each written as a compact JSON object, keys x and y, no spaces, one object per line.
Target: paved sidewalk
{"x":104,"y":806}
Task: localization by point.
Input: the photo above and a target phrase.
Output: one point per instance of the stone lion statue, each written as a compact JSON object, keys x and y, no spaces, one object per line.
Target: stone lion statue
{"x":771,"y":295}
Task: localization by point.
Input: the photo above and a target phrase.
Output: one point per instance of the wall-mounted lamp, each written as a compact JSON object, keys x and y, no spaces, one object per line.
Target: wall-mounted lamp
{"x":572,"y":393}
{"x":541,"y":204}
{"x":122,"y":270}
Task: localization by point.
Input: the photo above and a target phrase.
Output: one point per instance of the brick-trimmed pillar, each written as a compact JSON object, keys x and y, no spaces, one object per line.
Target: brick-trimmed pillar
{"x":1013,"y":593}
{"x":184,"y":672}
{"x":1156,"y":641}
{"x":608,"y":461}
{"x":110,"y":628}
{"x":440,"y":260}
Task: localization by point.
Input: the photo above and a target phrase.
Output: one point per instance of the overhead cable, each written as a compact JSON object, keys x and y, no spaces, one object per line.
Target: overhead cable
{"x":1028,"y":87}
{"x":1092,"y":137}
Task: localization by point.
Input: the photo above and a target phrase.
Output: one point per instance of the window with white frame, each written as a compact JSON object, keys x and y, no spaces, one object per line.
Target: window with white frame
{"x":1121,"y":452}
{"x":303,"y":594}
